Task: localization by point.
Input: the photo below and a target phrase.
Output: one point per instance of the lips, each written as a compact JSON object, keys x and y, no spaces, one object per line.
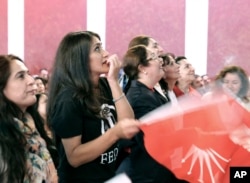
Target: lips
{"x":32,"y":92}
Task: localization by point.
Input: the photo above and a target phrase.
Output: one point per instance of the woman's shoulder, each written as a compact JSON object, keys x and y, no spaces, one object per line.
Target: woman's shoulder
{"x":67,"y":96}
{"x":140,"y":93}
{"x":67,"y":103}
{"x":136,"y":89}
{"x":103,"y":82}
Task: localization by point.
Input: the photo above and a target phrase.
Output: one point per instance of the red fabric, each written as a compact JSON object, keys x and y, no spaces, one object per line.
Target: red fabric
{"x":200,"y":140}
{"x":177,"y":91}
{"x":191,"y":92}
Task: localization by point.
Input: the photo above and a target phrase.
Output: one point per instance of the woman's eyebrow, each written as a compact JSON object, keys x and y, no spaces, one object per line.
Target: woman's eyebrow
{"x":98,"y":44}
{"x":20,"y":72}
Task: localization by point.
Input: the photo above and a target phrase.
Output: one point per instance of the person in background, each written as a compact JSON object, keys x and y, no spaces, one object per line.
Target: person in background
{"x":198,"y":84}
{"x":187,"y":75}
{"x":44,"y":73}
{"x":172,"y":74}
{"x":40,"y":106}
{"x":40,"y":82}
{"x":24,"y":154}
{"x":206,"y":79}
{"x":147,"y":41}
{"x":207,"y":82}
{"x":235,"y":79}
{"x":144,"y":67}
{"x":87,"y":113}
{"x":42,"y":99}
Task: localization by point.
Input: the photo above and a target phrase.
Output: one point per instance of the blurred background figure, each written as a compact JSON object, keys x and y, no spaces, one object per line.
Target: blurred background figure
{"x":40,"y":106}
{"x":235,"y":79}
{"x":187,"y":76}
{"x":171,"y":75}
{"x":207,"y":82}
{"x":206,"y":79}
{"x":40,"y":83}
{"x":41,"y":103}
{"x":198,"y":84}
{"x":44,"y":73}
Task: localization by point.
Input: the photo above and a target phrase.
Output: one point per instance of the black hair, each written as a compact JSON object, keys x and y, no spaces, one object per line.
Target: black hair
{"x":71,"y":71}
{"x":12,"y":141}
{"x":179,"y":58}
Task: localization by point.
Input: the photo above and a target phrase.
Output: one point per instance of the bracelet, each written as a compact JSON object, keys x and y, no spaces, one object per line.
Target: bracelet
{"x":119,"y":98}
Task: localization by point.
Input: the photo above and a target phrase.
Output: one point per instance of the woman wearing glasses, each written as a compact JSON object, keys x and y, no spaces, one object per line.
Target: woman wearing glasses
{"x":144,"y":67}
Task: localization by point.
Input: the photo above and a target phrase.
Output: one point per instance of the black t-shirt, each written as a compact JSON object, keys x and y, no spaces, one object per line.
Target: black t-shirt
{"x":69,"y":120}
{"x":143,"y":168}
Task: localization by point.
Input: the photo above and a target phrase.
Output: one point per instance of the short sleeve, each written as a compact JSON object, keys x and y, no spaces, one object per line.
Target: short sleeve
{"x":67,"y":120}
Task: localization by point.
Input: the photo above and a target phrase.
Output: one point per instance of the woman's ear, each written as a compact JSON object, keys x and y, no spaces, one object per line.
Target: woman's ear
{"x":142,"y":69}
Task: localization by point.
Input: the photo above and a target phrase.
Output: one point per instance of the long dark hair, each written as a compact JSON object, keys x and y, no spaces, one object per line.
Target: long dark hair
{"x":71,"y":71}
{"x":12,"y":140}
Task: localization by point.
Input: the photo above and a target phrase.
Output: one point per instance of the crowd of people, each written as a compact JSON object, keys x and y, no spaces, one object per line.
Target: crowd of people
{"x":81,"y":122}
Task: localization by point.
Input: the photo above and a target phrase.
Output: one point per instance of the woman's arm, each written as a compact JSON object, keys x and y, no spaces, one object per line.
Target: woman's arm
{"x":123,"y":107}
{"x":78,"y":154}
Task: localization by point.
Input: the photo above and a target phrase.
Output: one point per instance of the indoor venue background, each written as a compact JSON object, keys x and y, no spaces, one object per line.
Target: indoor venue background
{"x":220,"y":35}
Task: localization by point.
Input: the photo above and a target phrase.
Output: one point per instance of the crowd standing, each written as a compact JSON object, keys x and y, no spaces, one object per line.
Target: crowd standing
{"x":80,"y":122}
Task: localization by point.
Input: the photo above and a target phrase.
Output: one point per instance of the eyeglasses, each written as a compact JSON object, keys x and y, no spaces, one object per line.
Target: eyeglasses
{"x":156,"y":58}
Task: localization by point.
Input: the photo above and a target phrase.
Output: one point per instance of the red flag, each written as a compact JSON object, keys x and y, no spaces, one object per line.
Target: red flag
{"x":200,"y":140}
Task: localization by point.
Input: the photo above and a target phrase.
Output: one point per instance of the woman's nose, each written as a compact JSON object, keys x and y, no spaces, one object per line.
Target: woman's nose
{"x":160,"y":50}
{"x":105,"y":53}
{"x":31,"y":81}
{"x":230,"y":86}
